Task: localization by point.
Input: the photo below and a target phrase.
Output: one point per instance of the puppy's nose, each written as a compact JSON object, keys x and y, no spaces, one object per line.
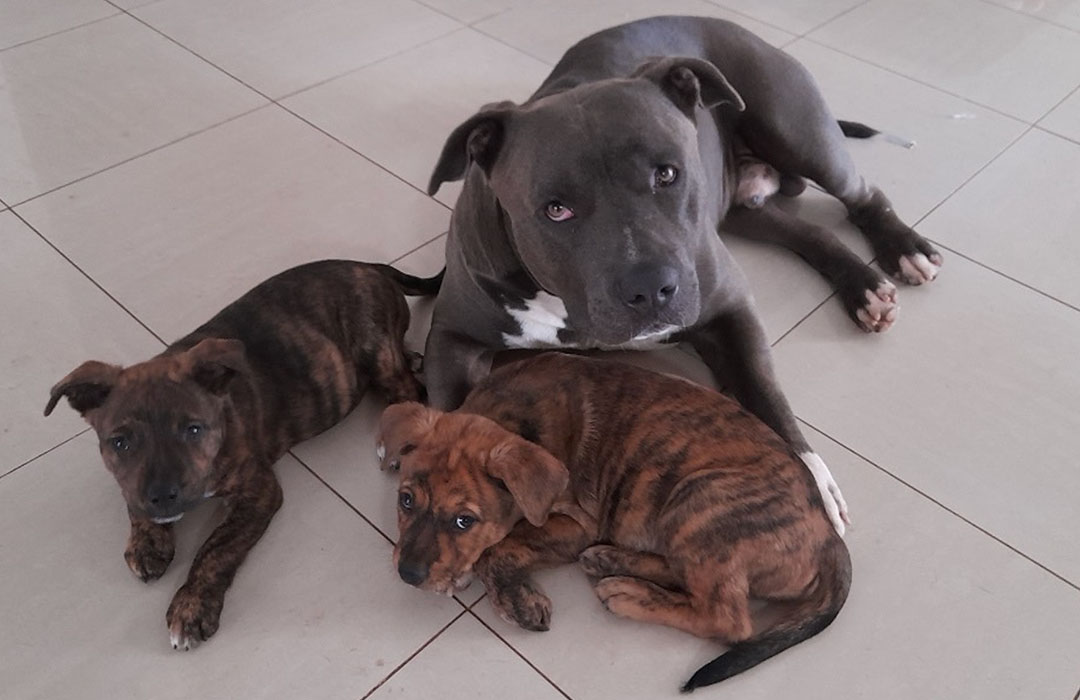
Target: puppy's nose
{"x":162,"y":494}
{"x":412,"y":573}
{"x":648,"y":288}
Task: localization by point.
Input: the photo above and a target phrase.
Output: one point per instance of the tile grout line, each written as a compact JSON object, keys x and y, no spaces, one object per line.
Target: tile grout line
{"x":357,"y":69}
{"x":341,"y":497}
{"x":510,"y":46}
{"x":519,"y":654}
{"x":42,"y":454}
{"x":941,"y":505}
{"x":412,"y":656}
{"x":284,"y":108}
{"x":739,"y":13}
{"x":918,"y":81}
{"x":155,"y":149}
{"x":834,"y":18}
{"x":66,"y":30}
{"x":422,"y":245}
{"x":91,"y":279}
{"x":1037,"y":18}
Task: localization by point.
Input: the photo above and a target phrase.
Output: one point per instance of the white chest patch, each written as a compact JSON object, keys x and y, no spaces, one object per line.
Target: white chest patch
{"x":541,"y":320}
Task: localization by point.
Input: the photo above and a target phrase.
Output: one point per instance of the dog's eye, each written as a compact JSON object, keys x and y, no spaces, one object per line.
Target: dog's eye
{"x":665,"y":175}
{"x":557,"y":211}
{"x":119,"y":443}
{"x":405,"y":500}
{"x":464,"y":522}
{"x":194,"y":430}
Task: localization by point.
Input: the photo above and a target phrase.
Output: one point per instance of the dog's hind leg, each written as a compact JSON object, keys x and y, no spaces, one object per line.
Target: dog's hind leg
{"x":505,"y":567}
{"x":603,"y":560}
{"x":394,"y":375}
{"x":790,"y":127}
{"x":721,"y":613}
{"x":868,"y":297}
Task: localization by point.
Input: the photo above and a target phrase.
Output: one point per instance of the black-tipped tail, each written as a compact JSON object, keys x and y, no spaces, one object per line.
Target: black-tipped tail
{"x":806,"y":621}
{"x":856,"y":130}
{"x":413,"y":286}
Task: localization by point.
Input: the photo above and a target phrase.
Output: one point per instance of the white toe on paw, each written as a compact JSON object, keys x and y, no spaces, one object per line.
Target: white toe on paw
{"x":380,"y":451}
{"x":880,"y":310}
{"x":835,"y":505}
{"x":916,"y":269}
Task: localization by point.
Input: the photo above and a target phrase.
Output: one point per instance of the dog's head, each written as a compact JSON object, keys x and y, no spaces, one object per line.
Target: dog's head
{"x":160,"y":424}
{"x":464,"y":483}
{"x":607,"y":197}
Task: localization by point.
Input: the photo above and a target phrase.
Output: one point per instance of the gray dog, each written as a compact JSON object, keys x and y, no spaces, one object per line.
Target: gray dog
{"x":589,"y":214}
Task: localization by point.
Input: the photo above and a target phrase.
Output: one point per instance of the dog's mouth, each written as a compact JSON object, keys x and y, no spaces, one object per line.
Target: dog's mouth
{"x":452,"y":586}
{"x":168,"y":519}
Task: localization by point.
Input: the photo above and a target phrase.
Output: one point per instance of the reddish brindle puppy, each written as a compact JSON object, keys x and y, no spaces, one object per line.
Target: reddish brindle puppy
{"x":211,"y":414}
{"x":680,"y":504}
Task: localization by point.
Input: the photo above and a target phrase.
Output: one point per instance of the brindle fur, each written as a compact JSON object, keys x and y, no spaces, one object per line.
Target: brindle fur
{"x":679,"y":504}
{"x":283,"y":363}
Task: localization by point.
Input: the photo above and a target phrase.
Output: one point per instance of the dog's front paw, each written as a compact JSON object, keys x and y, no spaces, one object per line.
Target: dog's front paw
{"x":149,"y":552}
{"x":919,"y":268}
{"x":192,"y":618}
{"x":521,"y":604}
{"x":835,"y":505}
{"x":879,"y":308}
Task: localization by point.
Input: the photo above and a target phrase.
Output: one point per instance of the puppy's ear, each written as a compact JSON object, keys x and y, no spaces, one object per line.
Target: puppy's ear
{"x":214,"y":362}
{"x":691,"y":82}
{"x":477,"y":140}
{"x":534,"y":477}
{"x":86,"y":388}
{"x":401,"y":427}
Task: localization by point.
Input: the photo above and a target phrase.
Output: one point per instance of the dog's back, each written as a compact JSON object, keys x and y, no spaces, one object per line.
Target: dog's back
{"x":672,"y":468}
{"x":310,"y":333}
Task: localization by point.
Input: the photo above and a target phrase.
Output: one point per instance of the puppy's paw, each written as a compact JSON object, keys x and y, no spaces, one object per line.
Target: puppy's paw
{"x":879,"y":310}
{"x":601,"y":560}
{"x":621,"y":595}
{"x":919,"y":268}
{"x":835,"y":505}
{"x":523,"y":605}
{"x":149,"y":552}
{"x":192,"y":618}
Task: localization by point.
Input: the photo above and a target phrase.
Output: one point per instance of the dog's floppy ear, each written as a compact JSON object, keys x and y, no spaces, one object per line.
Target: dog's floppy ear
{"x":477,"y":140}
{"x":86,"y":388}
{"x":213,"y":363}
{"x":401,"y":427}
{"x":534,"y":477}
{"x":690,"y":82}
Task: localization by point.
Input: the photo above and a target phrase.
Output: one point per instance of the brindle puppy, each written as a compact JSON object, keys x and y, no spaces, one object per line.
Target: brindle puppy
{"x":680,"y":504}
{"x":211,"y":414}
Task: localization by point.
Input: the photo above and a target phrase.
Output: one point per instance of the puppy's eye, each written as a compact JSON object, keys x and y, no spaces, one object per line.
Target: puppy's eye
{"x":557,"y":211}
{"x":194,"y":431}
{"x":665,"y":175}
{"x":119,"y":443}
{"x":405,"y":500}
{"x":464,"y":522}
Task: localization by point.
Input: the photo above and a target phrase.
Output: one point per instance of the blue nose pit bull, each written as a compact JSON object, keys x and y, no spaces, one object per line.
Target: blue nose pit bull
{"x":589,"y":213}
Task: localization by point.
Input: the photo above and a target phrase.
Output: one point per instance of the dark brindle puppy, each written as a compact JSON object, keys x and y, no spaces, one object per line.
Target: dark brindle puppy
{"x":681,"y":505}
{"x":211,"y":414}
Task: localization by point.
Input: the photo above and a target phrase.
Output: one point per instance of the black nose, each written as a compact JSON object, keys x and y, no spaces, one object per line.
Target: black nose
{"x":648,"y":287}
{"x":412,"y":573}
{"x":162,"y":494}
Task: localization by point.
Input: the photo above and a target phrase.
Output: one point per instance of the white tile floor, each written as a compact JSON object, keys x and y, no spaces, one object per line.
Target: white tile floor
{"x":158,"y":157}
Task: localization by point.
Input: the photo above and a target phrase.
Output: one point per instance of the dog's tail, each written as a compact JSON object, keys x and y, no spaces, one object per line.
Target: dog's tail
{"x":413,"y":286}
{"x":857,"y":130}
{"x":808,"y":618}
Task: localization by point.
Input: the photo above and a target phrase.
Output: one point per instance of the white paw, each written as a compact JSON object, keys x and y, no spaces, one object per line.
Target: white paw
{"x":182,"y":642}
{"x":880,"y":310}
{"x":380,"y":451}
{"x":835,"y":505}
{"x":917,"y":269}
